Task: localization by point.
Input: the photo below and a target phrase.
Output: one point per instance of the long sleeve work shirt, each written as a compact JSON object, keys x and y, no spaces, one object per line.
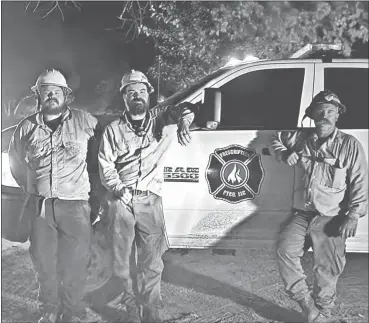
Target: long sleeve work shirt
{"x":331,"y":178}
{"x":129,"y":160}
{"x":56,"y":164}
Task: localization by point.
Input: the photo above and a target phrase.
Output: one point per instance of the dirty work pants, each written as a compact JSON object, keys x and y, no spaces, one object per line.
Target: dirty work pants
{"x":60,"y":243}
{"x":140,"y":223}
{"x":321,"y":233}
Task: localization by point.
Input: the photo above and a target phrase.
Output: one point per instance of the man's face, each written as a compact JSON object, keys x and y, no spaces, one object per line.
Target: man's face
{"x":136,"y":99}
{"x":52,"y":99}
{"x":325,"y":116}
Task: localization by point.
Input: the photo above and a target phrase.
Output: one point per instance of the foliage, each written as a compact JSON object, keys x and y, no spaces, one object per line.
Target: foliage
{"x":15,"y":110}
{"x":193,"y":38}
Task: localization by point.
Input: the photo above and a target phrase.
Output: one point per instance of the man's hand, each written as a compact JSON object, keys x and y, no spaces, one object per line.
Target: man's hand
{"x":291,"y":159}
{"x":348,"y":228}
{"x":183,"y":132}
{"x":126,"y":195}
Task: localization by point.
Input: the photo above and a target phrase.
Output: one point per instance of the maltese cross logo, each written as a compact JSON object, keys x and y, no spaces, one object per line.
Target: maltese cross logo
{"x":234,"y":174}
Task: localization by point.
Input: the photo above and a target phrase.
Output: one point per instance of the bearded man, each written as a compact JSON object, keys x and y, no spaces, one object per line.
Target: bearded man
{"x":130,"y":162}
{"x":51,"y":155}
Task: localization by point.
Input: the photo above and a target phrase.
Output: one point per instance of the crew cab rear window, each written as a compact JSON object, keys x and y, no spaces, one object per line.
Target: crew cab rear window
{"x":351,"y":86}
{"x":264,"y":99}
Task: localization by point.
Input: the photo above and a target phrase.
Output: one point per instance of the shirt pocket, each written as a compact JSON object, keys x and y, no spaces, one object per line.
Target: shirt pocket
{"x":75,"y":152}
{"x":122,"y":147}
{"x":334,"y":176}
{"x":36,"y":155}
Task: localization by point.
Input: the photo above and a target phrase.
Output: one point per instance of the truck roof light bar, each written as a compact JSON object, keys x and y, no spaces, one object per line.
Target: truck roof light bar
{"x":312,"y":48}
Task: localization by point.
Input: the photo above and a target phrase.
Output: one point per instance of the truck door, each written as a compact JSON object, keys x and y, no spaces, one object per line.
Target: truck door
{"x":350,"y":81}
{"x":225,"y":189}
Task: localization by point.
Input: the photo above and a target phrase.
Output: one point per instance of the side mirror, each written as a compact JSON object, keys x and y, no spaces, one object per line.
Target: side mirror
{"x":211,"y":110}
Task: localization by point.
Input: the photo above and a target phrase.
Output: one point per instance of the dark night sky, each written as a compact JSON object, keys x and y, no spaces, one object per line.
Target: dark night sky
{"x":79,"y":46}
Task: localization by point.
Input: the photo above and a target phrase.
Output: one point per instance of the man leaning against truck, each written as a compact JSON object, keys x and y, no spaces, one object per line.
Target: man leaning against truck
{"x":130,"y":163}
{"x":330,"y":195}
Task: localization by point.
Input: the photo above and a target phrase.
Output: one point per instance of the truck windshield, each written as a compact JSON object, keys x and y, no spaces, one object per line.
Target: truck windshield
{"x":181,"y":95}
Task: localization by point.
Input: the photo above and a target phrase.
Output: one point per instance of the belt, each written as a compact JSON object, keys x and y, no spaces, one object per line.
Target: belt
{"x":139,"y":193}
{"x":305,"y":212}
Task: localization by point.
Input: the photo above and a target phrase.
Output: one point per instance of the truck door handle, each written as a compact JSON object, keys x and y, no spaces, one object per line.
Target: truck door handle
{"x":265,"y":151}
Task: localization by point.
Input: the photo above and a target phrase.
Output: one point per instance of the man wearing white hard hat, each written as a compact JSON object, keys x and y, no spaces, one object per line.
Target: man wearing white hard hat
{"x":131,"y":163}
{"x":48,"y":159}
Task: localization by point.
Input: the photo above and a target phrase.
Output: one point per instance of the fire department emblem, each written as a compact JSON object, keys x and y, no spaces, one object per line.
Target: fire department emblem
{"x":234,"y":174}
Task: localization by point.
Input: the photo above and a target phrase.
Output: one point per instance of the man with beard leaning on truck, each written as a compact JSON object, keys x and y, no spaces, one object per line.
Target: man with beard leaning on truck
{"x":130,"y":163}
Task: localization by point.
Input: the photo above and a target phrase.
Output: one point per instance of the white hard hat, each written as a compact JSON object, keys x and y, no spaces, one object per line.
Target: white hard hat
{"x":51,"y":77}
{"x":135,"y":77}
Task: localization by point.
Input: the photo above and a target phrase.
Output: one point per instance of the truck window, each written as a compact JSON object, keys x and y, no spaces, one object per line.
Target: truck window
{"x":264,"y":99}
{"x":351,"y":86}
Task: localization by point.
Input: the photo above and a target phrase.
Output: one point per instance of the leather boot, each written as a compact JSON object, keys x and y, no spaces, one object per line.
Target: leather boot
{"x":309,"y":310}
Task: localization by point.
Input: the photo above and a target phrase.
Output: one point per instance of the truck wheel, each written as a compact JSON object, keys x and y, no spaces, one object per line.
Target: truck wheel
{"x":99,"y":269}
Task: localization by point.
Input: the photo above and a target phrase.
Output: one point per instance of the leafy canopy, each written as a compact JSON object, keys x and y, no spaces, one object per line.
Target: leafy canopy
{"x":193,"y":38}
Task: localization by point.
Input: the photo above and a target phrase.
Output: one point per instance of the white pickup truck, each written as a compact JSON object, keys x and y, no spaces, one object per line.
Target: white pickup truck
{"x":226,"y":190}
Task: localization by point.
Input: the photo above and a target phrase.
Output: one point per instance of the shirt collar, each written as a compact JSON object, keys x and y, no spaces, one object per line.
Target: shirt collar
{"x":125,"y":120}
{"x":67,"y":114}
{"x":332,"y":137}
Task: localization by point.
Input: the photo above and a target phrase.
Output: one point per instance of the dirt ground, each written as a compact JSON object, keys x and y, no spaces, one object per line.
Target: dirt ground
{"x":198,"y":286}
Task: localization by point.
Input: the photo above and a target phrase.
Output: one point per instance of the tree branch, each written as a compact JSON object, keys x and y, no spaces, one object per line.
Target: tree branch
{"x":51,"y":10}
{"x":61,"y":11}
{"x":34,"y":10}
{"x":76,"y":5}
{"x":29,"y":2}
{"x":55,"y":5}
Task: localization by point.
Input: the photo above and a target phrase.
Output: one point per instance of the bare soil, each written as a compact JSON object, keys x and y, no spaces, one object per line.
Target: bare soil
{"x":198,"y":286}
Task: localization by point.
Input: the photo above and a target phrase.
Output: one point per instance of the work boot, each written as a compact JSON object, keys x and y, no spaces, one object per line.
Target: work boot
{"x":309,"y":310}
{"x":151,"y":314}
{"x":48,"y":317}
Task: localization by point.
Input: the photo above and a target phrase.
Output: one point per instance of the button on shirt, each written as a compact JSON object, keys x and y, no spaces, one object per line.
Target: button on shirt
{"x":52,"y":164}
{"x":330,"y":178}
{"x":129,"y":160}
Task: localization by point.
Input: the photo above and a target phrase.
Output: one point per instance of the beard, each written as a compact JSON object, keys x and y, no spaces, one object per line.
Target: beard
{"x":52,"y":107}
{"x":138,"y":107}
